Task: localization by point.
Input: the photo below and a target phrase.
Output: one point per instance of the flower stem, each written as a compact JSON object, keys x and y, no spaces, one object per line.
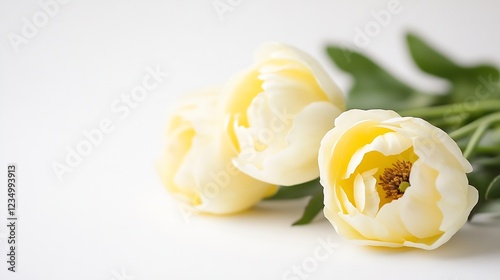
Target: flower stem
{"x":454,"y":108}
{"x":475,"y":138}
{"x":488,"y":149}
{"x":467,"y":129}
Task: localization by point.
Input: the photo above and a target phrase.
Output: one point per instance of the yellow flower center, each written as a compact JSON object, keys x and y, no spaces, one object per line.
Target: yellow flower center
{"x":396,"y":180}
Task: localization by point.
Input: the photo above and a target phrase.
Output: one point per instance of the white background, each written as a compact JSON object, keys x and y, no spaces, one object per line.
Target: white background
{"x":110,"y":218}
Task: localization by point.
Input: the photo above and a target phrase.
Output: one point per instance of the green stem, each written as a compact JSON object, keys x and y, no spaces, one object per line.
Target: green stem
{"x":488,"y":150}
{"x":454,"y":108}
{"x":483,"y":149}
{"x":453,"y":121}
{"x":475,"y":138}
{"x":467,"y":129}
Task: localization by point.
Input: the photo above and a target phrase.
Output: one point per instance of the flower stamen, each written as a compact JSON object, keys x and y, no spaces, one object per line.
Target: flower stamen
{"x":396,"y":180}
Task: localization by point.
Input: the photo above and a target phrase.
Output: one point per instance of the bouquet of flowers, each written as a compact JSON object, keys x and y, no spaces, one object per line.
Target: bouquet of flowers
{"x":388,"y":164}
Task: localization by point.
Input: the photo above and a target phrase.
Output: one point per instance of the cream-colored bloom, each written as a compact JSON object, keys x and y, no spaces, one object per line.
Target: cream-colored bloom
{"x":197,"y":167}
{"x":394,"y":181}
{"x":277,"y":111}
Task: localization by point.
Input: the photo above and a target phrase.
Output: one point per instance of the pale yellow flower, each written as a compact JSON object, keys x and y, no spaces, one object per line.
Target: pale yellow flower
{"x":277,"y":111}
{"x":197,"y":168}
{"x":394,"y":181}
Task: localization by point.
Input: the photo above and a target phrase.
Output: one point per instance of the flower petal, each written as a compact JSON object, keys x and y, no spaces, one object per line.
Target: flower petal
{"x":284,"y":166}
{"x":390,"y":143}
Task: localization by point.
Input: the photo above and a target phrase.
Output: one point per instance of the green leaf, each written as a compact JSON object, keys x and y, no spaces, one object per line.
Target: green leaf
{"x":312,"y":209}
{"x":478,"y":82}
{"x":430,"y":60}
{"x":297,"y":191}
{"x":493,"y":190}
{"x":373,"y":86}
